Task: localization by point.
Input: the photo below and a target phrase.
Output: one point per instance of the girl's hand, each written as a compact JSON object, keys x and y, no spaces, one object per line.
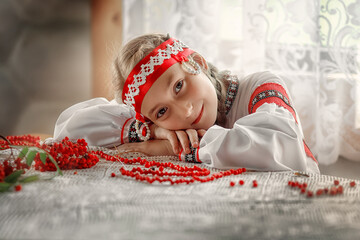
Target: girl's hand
{"x":151,"y":147}
{"x":180,"y":139}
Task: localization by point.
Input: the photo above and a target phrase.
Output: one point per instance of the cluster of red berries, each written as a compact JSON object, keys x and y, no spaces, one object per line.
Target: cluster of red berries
{"x":152,"y":171}
{"x":8,"y":167}
{"x":68,"y":155}
{"x":333,"y":190}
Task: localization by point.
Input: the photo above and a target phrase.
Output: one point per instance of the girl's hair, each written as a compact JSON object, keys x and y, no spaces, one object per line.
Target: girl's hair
{"x":135,"y":50}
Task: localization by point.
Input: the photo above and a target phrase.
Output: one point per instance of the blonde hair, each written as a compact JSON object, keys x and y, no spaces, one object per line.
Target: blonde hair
{"x":135,"y":50}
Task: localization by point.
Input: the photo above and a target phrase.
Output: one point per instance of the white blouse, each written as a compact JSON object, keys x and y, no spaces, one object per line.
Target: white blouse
{"x":262,"y":130}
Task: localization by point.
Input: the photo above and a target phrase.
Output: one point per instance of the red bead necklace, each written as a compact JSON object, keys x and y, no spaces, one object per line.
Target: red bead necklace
{"x":152,"y":171}
{"x":25,"y":140}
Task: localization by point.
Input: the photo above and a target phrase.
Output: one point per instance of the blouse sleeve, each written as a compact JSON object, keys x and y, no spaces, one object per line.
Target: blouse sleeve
{"x":99,"y":122}
{"x":268,"y":138}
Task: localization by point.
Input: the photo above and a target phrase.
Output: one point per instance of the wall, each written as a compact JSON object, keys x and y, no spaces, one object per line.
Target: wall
{"x":45,"y":62}
{"x":106,"y":39}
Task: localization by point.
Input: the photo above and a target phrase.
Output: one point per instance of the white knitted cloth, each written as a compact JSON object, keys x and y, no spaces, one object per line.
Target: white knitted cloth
{"x":93,"y":205}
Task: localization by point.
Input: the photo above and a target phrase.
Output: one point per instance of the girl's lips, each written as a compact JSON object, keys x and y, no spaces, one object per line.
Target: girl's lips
{"x":199,"y":117}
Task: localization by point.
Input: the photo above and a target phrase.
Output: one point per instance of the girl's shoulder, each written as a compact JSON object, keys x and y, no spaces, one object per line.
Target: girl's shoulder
{"x":251,"y":89}
{"x":255,"y":80}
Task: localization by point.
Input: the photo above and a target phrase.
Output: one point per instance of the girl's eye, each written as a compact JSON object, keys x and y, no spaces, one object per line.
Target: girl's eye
{"x":161,"y":112}
{"x":178,"y":86}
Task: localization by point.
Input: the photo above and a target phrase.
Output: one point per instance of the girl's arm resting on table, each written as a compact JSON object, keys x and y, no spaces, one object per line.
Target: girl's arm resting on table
{"x":150,"y":147}
{"x":99,"y":122}
{"x":269,"y":139}
{"x":109,"y":124}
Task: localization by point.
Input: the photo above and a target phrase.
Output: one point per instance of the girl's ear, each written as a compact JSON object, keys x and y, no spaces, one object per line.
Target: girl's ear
{"x":200,"y":60}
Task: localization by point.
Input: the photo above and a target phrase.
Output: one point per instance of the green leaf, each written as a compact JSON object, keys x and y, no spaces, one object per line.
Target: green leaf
{"x":43,"y":157}
{"x":23,"y":152}
{"x":56,"y":165}
{"x":29,"y":179}
{"x":30,"y":157}
{"x":4,"y":186}
{"x":12,"y":178}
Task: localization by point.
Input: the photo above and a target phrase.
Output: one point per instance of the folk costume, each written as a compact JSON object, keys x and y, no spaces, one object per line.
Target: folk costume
{"x":262,"y":130}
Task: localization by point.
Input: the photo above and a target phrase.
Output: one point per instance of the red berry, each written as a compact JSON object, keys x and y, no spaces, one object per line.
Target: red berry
{"x":340,"y":190}
{"x":255,"y":184}
{"x":18,"y":188}
{"x":232,"y":184}
{"x":336,"y":182}
{"x":333,"y":191}
{"x":241,"y":182}
{"x":352,"y":184}
{"x":113,"y":175}
{"x":319,"y":192}
{"x":309,"y":194}
{"x":75,"y":172}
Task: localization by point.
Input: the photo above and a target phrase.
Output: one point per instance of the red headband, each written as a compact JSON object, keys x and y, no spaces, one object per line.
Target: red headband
{"x":149,"y":69}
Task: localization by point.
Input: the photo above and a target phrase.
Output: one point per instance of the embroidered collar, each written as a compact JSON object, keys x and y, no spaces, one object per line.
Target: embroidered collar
{"x":231,"y":92}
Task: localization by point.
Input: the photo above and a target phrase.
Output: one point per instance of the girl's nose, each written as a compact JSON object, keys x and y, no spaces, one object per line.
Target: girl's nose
{"x":188,"y":109}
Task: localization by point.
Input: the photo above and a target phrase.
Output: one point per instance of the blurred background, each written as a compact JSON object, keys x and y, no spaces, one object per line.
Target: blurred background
{"x":56,"y":53}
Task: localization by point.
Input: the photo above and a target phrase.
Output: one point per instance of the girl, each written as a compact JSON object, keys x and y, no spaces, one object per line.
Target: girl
{"x":174,"y":102}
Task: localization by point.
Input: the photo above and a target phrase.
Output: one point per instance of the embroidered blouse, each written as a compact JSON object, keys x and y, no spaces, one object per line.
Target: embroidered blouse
{"x":262,"y":130}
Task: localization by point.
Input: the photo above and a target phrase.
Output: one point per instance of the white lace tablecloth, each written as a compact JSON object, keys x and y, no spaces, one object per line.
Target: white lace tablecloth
{"x":93,"y":205}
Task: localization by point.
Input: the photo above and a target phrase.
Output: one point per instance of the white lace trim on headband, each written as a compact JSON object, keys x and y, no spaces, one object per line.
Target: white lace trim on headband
{"x":148,"y":68}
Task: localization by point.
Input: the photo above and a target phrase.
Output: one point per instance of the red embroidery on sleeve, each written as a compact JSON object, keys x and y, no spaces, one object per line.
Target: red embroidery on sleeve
{"x":180,"y":154}
{"x":270,"y":93}
{"x":197,"y":154}
{"x":122,"y":131}
{"x":308,"y":152}
{"x":274,"y":93}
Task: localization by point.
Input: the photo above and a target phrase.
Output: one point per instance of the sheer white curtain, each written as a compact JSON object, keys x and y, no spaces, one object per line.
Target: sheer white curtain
{"x":313,"y":44}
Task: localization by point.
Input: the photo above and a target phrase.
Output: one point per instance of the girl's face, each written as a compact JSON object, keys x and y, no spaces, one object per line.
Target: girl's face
{"x":180,"y":100}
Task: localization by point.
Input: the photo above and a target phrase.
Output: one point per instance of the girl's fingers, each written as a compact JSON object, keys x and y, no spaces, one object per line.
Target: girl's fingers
{"x":201,"y":132}
{"x":173,"y":139}
{"x":193,"y":136}
{"x":184,"y":140}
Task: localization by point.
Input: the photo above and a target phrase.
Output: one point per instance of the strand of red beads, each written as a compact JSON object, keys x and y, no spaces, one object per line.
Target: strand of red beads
{"x":25,"y":140}
{"x":152,"y":171}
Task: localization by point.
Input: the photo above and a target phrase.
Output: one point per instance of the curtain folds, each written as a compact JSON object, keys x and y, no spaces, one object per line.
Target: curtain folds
{"x":313,"y":44}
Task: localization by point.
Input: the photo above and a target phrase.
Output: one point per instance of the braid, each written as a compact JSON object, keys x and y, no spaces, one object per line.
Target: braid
{"x":218,"y":79}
